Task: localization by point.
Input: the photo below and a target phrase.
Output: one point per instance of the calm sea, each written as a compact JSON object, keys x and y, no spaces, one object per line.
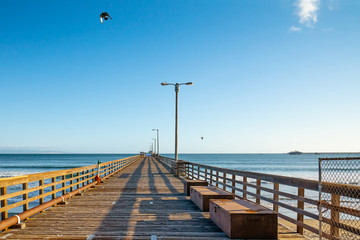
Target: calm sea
{"x":302,"y":166}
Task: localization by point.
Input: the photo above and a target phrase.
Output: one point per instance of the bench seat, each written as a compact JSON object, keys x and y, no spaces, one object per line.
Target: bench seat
{"x":191,"y":182}
{"x":201,"y":195}
{"x":244,"y":219}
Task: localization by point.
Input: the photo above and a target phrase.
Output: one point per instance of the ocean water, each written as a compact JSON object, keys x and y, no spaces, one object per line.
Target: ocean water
{"x":21,"y":164}
{"x":302,"y":166}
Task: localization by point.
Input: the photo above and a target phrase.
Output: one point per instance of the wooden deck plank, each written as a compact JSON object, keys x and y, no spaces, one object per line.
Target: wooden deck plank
{"x":144,"y":199}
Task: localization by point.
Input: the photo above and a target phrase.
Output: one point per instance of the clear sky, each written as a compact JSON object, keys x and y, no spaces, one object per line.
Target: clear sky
{"x":269,"y":76}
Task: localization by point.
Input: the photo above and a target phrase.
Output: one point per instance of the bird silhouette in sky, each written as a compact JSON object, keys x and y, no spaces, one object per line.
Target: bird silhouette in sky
{"x":202,"y":138}
{"x":104,"y":15}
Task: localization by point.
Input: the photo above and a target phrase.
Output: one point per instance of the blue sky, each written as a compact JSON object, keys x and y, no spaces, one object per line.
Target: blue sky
{"x":269,"y":76}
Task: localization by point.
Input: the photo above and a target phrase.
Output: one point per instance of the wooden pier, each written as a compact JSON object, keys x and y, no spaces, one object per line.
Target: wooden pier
{"x":142,"y":201}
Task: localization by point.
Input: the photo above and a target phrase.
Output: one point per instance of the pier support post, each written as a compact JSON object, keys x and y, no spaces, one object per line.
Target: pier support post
{"x":179,"y":168}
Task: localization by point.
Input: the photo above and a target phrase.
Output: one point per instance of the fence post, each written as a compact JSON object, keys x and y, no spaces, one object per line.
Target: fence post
{"x":192,"y":171}
{"x":71,"y":181}
{"x":41,"y":191}
{"x":224,"y":180}
{"x":53,"y":188}
{"x":276,"y":197}
{"x":258,"y":191}
{"x":25,"y":197}
{"x":4,"y":215}
{"x":211,"y":175}
{"x":244,"y":186}
{"x":335,"y":216}
{"x":198,"y":172}
{"x":233,"y":184}
{"x":217,"y":178}
{"x":78,"y":180}
{"x":63,"y":177}
{"x":300,"y":204}
{"x":206,"y":174}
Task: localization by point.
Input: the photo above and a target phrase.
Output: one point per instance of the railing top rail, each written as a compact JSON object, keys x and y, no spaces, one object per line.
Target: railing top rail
{"x":351,"y":190}
{"x":291,"y":181}
{"x":45,"y":175}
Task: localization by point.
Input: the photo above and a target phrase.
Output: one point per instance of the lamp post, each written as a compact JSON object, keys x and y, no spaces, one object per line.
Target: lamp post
{"x":158,"y":141}
{"x":177,"y":86}
{"x":154,"y":144}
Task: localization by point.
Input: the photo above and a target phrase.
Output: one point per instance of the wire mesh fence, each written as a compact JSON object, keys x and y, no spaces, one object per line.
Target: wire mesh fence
{"x":339,"y":195}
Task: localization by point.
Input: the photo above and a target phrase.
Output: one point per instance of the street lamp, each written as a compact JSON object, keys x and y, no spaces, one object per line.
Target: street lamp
{"x":154,"y":144}
{"x":177,"y":86}
{"x":158,"y":143}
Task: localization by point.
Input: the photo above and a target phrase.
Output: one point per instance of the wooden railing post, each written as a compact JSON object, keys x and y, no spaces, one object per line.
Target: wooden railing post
{"x":224,"y":180}
{"x":217,"y":178}
{"x":25,"y":197}
{"x":4,"y":215}
{"x":300,"y":205}
{"x":192,"y":171}
{"x":41,"y":191}
{"x":71,"y":182}
{"x":244,"y":187}
{"x":63,"y":177}
{"x":198,"y":173}
{"x":53,"y":188}
{"x":276,"y":197}
{"x":206,"y":174}
{"x":211,"y":176}
{"x":335,"y":216}
{"x":258,"y":191}
{"x":78,"y":180}
{"x":233,"y":184}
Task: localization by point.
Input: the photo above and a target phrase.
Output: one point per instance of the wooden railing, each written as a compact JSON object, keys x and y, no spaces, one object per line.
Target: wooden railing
{"x":37,"y":189}
{"x":271,"y":190}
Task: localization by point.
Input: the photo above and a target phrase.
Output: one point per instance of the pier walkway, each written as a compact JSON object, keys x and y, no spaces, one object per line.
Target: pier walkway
{"x":143,"y":201}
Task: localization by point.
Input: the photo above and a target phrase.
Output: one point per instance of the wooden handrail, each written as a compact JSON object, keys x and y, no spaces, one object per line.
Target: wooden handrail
{"x":237,"y":181}
{"x":69,"y":179}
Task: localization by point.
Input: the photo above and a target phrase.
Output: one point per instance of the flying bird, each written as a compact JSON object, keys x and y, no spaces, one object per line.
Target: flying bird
{"x":104,"y":15}
{"x":202,"y":138}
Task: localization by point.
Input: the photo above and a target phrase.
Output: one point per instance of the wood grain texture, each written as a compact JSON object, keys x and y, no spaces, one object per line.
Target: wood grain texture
{"x":142,"y":200}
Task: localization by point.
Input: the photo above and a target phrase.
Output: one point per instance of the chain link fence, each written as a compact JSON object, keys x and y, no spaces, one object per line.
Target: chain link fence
{"x":339,"y":195}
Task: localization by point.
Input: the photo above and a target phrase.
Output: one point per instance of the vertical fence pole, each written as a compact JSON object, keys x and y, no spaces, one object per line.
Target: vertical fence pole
{"x":233,"y":184}
{"x":217,"y":178}
{"x":206,"y":174}
{"x":335,"y":216}
{"x":198,"y":172}
{"x":224,"y":180}
{"x":211,"y":175}
{"x":192,"y":171}
{"x":244,"y":186}
{"x":87,"y":177}
{"x":71,"y":181}
{"x":78,"y":180}
{"x":25,"y":197}
{"x":300,"y":204}
{"x":53,"y":188}
{"x":258,"y":191}
{"x":41,"y":191}
{"x":276,"y":197}
{"x":4,"y":215}
{"x":63,"y":177}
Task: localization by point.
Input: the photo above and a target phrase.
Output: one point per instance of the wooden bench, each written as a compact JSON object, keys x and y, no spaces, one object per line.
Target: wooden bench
{"x":244,"y":219}
{"x":201,"y":195}
{"x":190,"y":182}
